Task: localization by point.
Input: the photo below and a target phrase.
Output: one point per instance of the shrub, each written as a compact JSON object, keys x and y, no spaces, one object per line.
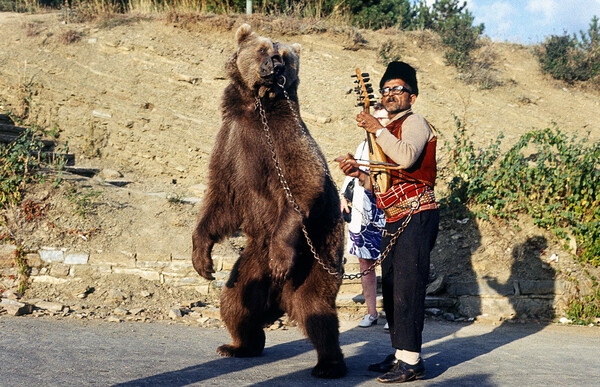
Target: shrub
{"x":461,"y":38}
{"x":545,"y":174}
{"x":388,"y":52}
{"x":570,"y":59}
{"x":551,"y":177}
{"x":19,"y":162}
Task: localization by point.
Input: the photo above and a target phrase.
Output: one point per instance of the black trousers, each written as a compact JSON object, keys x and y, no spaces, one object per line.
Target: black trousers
{"x":404,"y":278}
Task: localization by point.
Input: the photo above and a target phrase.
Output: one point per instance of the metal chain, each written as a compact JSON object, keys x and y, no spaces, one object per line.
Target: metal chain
{"x":288,"y":192}
{"x":389,"y":246}
{"x":296,"y":207}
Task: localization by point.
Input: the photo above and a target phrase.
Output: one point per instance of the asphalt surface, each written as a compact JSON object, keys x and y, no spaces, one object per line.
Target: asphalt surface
{"x":50,"y":352}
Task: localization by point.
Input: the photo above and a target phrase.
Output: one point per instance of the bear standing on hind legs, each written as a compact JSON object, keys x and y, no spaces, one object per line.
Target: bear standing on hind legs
{"x":262,"y":147}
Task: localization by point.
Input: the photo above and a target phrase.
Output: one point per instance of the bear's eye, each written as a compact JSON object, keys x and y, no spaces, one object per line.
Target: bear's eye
{"x":263,"y":50}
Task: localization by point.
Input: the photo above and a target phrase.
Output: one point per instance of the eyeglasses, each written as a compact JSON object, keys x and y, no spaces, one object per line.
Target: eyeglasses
{"x":395,"y":90}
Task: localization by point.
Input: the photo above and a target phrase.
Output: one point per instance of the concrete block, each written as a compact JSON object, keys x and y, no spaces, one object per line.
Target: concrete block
{"x":59,"y":270}
{"x":152,"y":264}
{"x":34,"y":260}
{"x":7,"y":254}
{"x":47,"y":279}
{"x":51,"y":256}
{"x":151,"y":275}
{"x":185,"y":281}
{"x":537,"y":287}
{"x":112,"y":259}
{"x":480,"y":288}
{"x":180,"y":269}
{"x":77,"y":259}
{"x":204,"y":289}
{"x":90,"y":270}
{"x":153,"y":257}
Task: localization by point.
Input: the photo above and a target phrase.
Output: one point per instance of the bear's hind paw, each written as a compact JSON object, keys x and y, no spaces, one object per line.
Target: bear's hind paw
{"x":229,"y":350}
{"x":330,"y":370}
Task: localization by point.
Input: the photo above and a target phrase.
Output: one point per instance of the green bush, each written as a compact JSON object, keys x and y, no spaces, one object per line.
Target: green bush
{"x":461,"y":39}
{"x":546,"y":174}
{"x":553,"y":178}
{"x":570,"y":59}
{"x":19,"y":162}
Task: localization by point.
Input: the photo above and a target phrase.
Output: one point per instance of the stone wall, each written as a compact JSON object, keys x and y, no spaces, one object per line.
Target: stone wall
{"x":519,"y":298}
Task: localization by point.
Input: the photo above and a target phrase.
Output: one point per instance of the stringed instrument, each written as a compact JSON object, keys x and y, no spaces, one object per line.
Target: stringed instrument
{"x":381,"y":179}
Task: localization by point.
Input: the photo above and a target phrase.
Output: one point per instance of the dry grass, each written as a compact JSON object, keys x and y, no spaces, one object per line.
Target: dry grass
{"x":69,"y":36}
{"x":31,"y":29}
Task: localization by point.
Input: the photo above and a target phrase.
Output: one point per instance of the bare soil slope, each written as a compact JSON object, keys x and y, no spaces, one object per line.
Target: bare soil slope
{"x":138,"y":98}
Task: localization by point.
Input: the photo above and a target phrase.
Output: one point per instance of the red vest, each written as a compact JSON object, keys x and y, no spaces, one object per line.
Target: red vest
{"x":424,"y":169}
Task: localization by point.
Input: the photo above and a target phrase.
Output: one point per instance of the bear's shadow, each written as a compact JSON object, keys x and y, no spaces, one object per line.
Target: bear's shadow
{"x":367,"y":346}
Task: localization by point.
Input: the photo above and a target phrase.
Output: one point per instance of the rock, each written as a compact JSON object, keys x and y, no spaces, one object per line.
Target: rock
{"x":437,"y":285}
{"x":16,"y":308}
{"x":175,"y":313}
{"x":11,"y":295}
{"x":448,"y":316}
{"x":120,"y":312}
{"x":114,"y":319}
{"x":136,"y":311}
{"x":115,"y":295}
{"x":433,"y":311}
{"x":50,"y":306}
{"x":212,"y":313}
{"x":145,"y":294}
{"x":110,"y":174}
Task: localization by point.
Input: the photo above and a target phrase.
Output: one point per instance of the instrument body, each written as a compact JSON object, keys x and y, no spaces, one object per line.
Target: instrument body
{"x":381,"y":179}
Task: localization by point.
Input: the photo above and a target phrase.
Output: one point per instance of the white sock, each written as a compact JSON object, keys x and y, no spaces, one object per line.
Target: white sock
{"x":408,"y":357}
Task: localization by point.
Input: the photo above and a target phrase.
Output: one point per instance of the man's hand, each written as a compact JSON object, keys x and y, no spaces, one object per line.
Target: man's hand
{"x":368,"y":122}
{"x":348,"y":165}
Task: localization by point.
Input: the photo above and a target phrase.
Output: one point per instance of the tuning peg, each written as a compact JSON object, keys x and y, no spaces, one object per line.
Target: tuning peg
{"x":366,"y":79}
{"x":365,"y":74}
{"x":371,"y":96}
{"x":360,"y":104}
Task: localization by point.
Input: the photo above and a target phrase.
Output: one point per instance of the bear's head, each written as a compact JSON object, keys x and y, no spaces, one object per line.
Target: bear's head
{"x":261,"y":66}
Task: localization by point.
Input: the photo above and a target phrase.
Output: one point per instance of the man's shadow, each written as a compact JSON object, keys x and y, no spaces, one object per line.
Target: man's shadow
{"x":536,"y":311}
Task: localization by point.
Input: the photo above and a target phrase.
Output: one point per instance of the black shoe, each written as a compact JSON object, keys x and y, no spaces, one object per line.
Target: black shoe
{"x":385,"y":366}
{"x":403,"y":372}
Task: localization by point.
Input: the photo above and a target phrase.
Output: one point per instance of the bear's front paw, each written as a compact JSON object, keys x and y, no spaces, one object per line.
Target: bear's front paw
{"x":203,"y":263}
{"x":229,"y":350}
{"x":279,"y":270}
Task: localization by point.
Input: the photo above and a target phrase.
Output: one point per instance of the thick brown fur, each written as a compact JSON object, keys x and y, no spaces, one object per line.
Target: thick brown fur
{"x":276,"y":273}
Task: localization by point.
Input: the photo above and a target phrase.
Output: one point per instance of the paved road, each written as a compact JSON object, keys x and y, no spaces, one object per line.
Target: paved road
{"x":69,"y":352}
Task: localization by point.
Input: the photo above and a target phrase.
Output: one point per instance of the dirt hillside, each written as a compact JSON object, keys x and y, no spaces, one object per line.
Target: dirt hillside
{"x":138,"y":99}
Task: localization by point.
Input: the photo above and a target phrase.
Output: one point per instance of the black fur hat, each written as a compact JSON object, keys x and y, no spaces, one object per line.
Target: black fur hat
{"x":401,"y":70}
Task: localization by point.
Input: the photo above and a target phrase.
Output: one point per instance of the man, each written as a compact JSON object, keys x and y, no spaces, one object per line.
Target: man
{"x":412,"y":218}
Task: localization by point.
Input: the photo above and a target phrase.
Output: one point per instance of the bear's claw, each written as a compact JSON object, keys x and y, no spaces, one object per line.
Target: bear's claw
{"x":229,"y":350}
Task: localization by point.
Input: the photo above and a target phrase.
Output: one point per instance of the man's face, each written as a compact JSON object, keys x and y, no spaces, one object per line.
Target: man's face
{"x":396,"y":103}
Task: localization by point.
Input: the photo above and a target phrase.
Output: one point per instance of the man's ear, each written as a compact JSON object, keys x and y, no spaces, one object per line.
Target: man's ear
{"x":413,"y":98}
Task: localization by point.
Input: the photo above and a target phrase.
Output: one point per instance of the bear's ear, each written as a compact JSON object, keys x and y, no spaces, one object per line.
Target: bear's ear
{"x":296,"y":47}
{"x":243,"y":33}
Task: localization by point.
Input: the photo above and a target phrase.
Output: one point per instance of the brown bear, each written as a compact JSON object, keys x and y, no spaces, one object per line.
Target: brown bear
{"x":268,"y":177}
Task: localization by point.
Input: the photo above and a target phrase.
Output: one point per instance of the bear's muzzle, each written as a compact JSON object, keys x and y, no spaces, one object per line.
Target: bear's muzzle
{"x":271,"y":67}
